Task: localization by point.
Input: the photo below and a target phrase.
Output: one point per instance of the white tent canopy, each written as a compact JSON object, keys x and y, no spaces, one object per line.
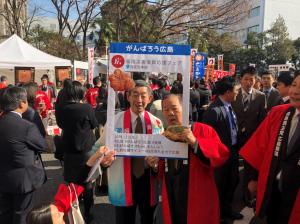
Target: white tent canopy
{"x":15,"y":52}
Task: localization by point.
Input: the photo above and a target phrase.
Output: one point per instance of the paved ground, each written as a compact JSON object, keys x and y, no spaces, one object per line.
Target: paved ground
{"x":103,"y":211}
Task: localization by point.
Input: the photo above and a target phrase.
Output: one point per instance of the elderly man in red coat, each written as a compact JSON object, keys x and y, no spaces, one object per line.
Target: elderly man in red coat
{"x":189,"y":193}
{"x":274,"y":151}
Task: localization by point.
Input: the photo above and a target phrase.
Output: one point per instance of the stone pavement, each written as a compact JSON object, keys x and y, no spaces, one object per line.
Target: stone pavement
{"x":103,"y":211}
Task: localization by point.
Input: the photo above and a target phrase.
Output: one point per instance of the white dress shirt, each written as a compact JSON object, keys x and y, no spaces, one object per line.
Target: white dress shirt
{"x":133,"y":118}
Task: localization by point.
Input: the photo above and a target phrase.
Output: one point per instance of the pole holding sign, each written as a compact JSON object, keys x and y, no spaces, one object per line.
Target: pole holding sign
{"x":91,"y":55}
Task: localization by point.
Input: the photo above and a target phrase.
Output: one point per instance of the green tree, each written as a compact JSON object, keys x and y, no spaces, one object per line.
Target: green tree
{"x":52,"y":43}
{"x":104,"y":32}
{"x":279,"y":47}
{"x":296,"y":55}
{"x":134,"y":20}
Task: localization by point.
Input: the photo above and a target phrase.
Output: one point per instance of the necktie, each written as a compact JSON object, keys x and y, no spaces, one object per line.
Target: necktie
{"x":138,"y":164}
{"x":232,"y":117}
{"x":295,"y":136}
{"x":266,"y":92}
{"x":246,"y":102}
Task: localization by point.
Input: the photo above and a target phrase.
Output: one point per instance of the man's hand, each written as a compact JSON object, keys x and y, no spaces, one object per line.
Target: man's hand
{"x":100,"y":152}
{"x":188,"y":137}
{"x":152,"y":162}
{"x":108,"y":158}
{"x":252,"y":186}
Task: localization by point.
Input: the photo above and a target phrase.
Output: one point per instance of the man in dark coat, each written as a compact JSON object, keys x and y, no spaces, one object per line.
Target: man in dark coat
{"x":284,"y":82}
{"x":272,"y":94}
{"x":21,"y":169}
{"x":221,"y":117}
{"x":250,"y":108}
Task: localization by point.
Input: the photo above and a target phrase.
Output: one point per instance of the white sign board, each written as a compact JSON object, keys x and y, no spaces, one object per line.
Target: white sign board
{"x":139,"y":57}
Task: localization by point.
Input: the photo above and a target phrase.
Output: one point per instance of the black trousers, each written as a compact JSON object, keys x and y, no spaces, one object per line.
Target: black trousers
{"x":227,"y":178}
{"x":127,"y":215}
{"x":141,"y":198}
{"x":278,"y":211}
{"x":15,"y":207}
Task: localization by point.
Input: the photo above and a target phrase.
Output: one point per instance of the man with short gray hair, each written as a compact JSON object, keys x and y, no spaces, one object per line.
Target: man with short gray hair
{"x":21,"y":169}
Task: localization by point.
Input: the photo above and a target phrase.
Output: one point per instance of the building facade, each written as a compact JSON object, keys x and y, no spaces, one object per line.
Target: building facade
{"x":263,"y":14}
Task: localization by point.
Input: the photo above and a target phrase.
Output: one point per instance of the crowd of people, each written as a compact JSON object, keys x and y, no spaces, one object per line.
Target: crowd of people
{"x":253,"y":116}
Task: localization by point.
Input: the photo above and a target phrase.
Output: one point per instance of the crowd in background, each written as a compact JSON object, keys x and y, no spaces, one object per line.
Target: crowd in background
{"x":234,"y":107}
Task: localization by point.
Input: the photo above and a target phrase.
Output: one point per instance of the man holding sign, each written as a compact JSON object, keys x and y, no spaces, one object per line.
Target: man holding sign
{"x":189,"y":194}
{"x":132,"y":181}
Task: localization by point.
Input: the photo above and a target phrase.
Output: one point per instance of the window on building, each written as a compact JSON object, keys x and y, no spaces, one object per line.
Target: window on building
{"x":254,"y":12}
{"x":254,"y":29}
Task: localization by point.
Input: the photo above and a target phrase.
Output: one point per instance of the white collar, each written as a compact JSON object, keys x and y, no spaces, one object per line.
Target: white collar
{"x":286,"y":98}
{"x":225,"y":102}
{"x":247,"y":93}
{"x":15,"y":112}
{"x":133,"y":116}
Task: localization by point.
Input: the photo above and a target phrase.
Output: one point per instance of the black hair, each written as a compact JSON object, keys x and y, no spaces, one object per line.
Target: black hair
{"x":296,"y":73}
{"x":45,"y":76}
{"x":249,"y":70}
{"x":161,"y":83}
{"x":267,"y":72}
{"x":96,"y":80}
{"x":88,"y":86}
{"x":141,"y":83}
{"x":225,"y":84}
{"x":31,"y":89}
{"x":40,"y":215}
{"x":12,"y":97}
{"x":286,"y":78}
{"x":3,"y":78}
{"x":75,"y":92}
{"x":139,"y":76}
{"x":67,"y":83}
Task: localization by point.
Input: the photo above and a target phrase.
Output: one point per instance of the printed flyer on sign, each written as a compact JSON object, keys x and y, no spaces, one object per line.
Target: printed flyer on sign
{"x":126,"y":58}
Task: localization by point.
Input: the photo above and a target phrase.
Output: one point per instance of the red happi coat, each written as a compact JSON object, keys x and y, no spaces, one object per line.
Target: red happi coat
{"x":203,"y":201}
{"x":259,"y":151}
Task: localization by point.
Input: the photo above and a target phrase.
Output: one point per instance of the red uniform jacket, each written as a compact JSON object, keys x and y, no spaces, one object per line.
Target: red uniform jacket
{"x":259,"y":151}
{"x":42,"y":98}
{"x":203,"y":201}
{"x":91,"y":96}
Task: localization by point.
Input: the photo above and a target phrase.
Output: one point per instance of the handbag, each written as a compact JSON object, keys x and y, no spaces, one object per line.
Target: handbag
{"x":74,"y":214}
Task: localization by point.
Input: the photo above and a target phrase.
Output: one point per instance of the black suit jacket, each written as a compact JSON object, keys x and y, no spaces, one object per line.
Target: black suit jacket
{"x":77,"y":121}
{"x":34,"y":117}
{"x":274,"y":99}
{"x":21,"y":170}
{"x":195,"y":99}
{"x":216,"y":118}
{"x":249,"y":120}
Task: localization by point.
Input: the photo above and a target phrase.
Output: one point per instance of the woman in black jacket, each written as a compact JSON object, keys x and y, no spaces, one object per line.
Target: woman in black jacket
{"x":77,"y":121}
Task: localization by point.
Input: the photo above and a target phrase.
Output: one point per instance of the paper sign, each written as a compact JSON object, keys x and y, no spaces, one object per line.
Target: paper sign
{"x":139,"y":57}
